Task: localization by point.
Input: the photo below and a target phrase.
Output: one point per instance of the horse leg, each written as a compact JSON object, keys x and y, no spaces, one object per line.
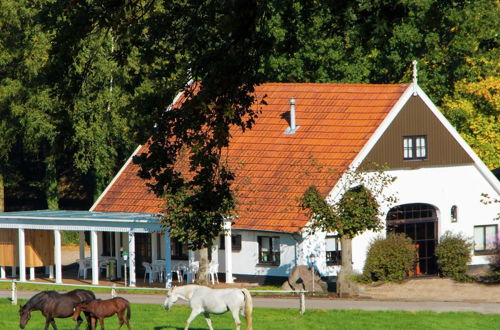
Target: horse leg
{"x":53,"y":322}
{"x":236,"y":317}
{"x":194,"y":313}
{"x":121,"y":317}
{"x":93,"y":321}
{"x":79,"y":321}
{"x":209,"y":321}
{"x":101,"y":321}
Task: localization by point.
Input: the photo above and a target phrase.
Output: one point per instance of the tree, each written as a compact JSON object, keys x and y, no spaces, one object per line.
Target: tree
{"x":356,"y":211}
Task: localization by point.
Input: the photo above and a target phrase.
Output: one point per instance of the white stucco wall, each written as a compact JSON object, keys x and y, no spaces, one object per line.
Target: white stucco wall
{"x":441,"y":187}
{"x":246,"y":260}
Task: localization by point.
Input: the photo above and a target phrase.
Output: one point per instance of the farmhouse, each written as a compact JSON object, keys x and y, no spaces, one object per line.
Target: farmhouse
{"x":312,"y":134}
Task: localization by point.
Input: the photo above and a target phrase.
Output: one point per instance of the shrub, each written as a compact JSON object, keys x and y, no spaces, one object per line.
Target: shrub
{"x":453,"y":255}
{"x":70,"y":238}
{"x":495,"y":261}
{"x":389,"y":259}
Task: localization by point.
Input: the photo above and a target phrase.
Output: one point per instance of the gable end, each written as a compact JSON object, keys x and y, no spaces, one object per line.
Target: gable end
{"x":416,"y":119}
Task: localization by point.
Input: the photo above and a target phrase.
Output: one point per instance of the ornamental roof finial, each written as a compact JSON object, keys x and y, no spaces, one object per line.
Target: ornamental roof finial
{"x":415,"y":72}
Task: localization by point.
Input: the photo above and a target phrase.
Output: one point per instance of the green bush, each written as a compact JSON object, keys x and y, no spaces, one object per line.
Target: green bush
{"x":70,"y":238}
{"x":453,"y":255}
{"x":389,"y":259}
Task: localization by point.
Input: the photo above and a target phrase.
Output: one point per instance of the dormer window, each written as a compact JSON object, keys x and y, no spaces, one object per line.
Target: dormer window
{"x":415,"y":147}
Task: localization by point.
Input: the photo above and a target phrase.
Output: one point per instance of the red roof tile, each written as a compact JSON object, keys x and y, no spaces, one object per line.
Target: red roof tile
{"x":273,"y":168}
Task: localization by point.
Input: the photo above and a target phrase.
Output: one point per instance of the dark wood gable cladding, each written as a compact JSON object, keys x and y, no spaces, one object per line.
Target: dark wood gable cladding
{"x":416,"y":119}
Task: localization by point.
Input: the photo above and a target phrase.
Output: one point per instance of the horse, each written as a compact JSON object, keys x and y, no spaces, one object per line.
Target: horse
{"x":206,"y":300}
{"x":53,"y":304}
{"x":100,"y":309}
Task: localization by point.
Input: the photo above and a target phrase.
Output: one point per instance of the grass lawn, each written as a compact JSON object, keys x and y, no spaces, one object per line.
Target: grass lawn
{"x":156,"y":318}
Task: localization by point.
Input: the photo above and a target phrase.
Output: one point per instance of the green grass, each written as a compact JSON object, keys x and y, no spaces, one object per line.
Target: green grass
{"x":156,"y":318}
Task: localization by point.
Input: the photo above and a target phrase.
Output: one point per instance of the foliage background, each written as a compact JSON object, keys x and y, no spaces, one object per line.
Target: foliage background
{"x":82,"y":83}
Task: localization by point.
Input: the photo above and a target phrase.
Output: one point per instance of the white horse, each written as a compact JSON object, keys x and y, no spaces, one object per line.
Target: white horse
{"x":205,"y":300}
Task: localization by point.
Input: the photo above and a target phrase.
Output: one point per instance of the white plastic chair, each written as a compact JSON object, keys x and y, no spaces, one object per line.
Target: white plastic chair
{"x":193,"y":270}
{"x":159,"y":268}
{"x":179,"y":270}
{"x":213,"y":270}
{"x":149,"y":272}
{"x":83,"y":265}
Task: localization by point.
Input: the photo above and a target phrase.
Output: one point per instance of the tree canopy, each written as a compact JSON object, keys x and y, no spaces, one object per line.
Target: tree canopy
{"x":82,"y":81}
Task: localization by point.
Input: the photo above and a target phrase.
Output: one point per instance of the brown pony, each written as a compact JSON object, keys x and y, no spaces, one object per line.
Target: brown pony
{"x":100,"y":309}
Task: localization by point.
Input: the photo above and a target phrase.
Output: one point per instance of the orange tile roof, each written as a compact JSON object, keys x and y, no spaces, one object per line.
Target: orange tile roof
{"x":272,"y":168}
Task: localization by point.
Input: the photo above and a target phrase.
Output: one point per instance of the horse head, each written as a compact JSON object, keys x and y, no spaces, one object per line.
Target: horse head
{"x":78,"y":309}
{"x":171,"y":298}
{"x":24,"y":316}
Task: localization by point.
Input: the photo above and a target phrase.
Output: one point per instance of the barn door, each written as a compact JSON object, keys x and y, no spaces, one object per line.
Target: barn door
{"x":419,"y":222}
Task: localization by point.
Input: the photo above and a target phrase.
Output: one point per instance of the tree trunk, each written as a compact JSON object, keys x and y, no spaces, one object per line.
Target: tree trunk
{"x":2,"y":195}
{"x":203,"y":275}
{"x":345,"y":286}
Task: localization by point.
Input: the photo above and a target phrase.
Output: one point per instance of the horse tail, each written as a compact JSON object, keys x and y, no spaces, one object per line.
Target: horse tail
{"x":129,"y":313}
{"x":248,"y":308}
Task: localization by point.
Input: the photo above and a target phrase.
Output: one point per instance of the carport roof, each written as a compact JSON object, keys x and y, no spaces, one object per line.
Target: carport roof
{"x":80,"y":220}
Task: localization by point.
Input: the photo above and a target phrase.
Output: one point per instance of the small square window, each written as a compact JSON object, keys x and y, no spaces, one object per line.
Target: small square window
{"x":269,"y":250}
{"x":415,"y":147}
{"x":235,"y":242}
{"x":333,"y":250}
{"x":485,"y":239}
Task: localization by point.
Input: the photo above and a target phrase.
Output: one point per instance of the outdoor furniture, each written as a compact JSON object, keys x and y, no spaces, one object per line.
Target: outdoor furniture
{"x":159,"y":268}
{"x":83,"y":265}
{"x":149,"y":272}
{"x":193,"y":270}
{"x":213,"y":269}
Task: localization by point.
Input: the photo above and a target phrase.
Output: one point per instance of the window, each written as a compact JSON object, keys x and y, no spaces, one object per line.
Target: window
{"x":178,"y":250}
{"x":415,"y":147}
{"x":269,"y":250}
{"x":333,"y":250}
{"x":235,"y":242}
{"x":485,"y":239}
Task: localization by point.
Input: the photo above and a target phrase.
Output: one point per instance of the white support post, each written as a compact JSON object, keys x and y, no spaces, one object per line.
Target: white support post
{"x":58,"y":255}
{"x":95,"y":257}
{"x":51,"y":271}
{"x":32,"y":273}
{"x":22,"y":255}
{"x":82,"y":244}
{"x":154,"y":247}
{"x":302,"y":303}
{"x":13,"y":271}
{"x":168,"y":260}
{"x":131,"y":258}
{"x":14,"y":293}
{"x":118,"y":256}
{"x":228,"y":251}
{"x":2,"y":273}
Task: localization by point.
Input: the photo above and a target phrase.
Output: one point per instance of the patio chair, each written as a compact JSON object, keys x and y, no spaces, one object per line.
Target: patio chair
{"x":213,"y":269}
{"x":83,"y":265}
{"x":179,"y":270}
{"x":193,"y":270}
{"x":159,"y":268}
{"x":149,"y":272}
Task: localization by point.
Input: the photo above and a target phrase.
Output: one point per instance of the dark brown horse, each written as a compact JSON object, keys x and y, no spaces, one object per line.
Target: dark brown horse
{"x":100,"y":309}
{"x":53,"y":304}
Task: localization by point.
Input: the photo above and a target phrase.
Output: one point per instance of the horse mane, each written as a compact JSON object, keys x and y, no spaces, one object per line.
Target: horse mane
{"x":39,"y":298}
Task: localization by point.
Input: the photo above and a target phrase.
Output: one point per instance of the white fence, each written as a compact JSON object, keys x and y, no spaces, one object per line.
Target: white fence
{"x":302,"y":300}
